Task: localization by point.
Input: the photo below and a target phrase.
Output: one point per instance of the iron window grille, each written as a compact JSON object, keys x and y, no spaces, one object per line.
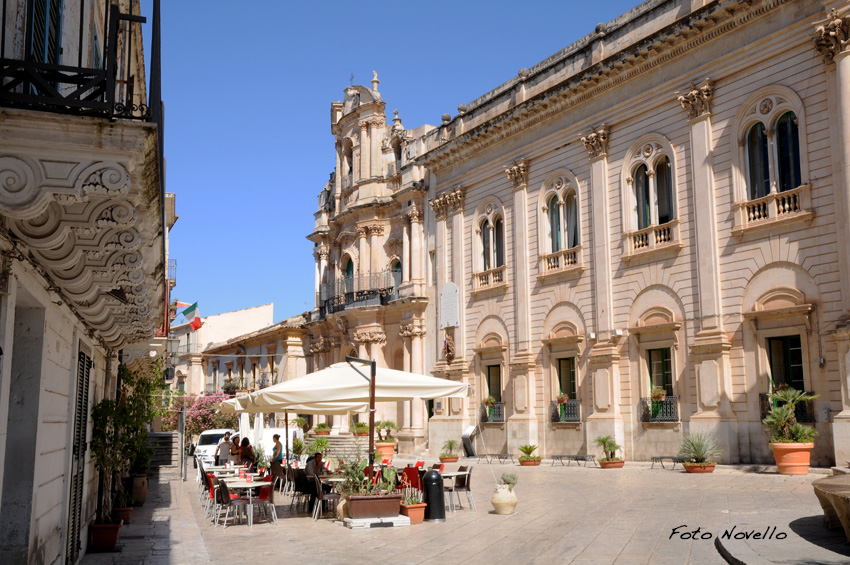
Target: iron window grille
{"x":569,"y":412}
{"x":495,"y":413}
{"x":666,"y":410}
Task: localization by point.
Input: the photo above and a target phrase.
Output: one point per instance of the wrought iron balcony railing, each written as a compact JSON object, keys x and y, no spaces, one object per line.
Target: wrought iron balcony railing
{"x":804,"y":411}
{"x":373,"y":289}
{"x":111,"y":87}
{"x":569,"y":412}
{"x":666,"y":410}
{"x":495,"y":413}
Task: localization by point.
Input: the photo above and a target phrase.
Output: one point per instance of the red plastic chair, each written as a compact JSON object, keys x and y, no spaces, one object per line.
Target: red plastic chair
{"x":419,"y":464}
{"x":386,"y":462}
{"x":410,"y":478}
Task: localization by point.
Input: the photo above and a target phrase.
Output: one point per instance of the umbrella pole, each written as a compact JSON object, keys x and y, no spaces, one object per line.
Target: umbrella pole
{"x":286,"y":440}
{"x":373,"y":372}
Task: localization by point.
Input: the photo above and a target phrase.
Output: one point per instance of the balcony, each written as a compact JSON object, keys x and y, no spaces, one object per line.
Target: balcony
{"x":666,"y":410}
{"x":172,"y":273}
{"x":375,"y":289}
{"x":492,"y":278}
{"x":113,"y":91}
{"x":493,"y":414}
{"x":563,"y":262}
{"x":652,"y":240}
{"x":804,"y":411}
{"x":776,"y":208}
{"x":569,"y":412}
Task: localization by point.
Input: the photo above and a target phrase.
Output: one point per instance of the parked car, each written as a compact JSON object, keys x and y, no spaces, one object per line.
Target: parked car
{"x":207,"y":444}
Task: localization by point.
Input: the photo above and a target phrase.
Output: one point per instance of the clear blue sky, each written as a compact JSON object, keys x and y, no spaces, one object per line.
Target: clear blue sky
{"x":247,"y":89}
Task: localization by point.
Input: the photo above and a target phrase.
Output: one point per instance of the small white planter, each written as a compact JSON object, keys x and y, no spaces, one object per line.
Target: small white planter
{"x":504,"y":500}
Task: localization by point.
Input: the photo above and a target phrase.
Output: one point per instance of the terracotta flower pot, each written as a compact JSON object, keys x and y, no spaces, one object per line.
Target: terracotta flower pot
{"x":374,"y":506}
{"x":327,"y":433}
{"x":385,"y":449}
{"x":104,"y":536}
{"x":699,"y":467}
{"x":504,"y":500}
{"x":448,"y":459}
{"x":529,"y":462}
{"x":363,"y":434}
{"x":140,"y":490}
{"x":792,"y":458}
{"x":416,"y":512}
{"x":122,"y":514}
{"x":611,"y":464}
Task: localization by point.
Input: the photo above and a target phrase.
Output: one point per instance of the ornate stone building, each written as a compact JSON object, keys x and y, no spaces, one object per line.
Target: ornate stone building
{"x":84,"y":219}
{"x":660,"y":204}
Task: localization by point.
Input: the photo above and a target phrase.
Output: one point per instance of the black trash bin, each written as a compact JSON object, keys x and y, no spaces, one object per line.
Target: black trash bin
{"x":432,"y":490}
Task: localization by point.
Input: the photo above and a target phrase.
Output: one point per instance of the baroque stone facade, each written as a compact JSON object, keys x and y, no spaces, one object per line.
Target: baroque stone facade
{"x":660,"y":205}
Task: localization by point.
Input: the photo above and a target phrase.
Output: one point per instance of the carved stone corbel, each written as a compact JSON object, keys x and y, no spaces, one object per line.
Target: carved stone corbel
{"x":697,"y":100}
{"x":832,"y":35}
{"x":596,"y":141}
{"x":518,"y":173}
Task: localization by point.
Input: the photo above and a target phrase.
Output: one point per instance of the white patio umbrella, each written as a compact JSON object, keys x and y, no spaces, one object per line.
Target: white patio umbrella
{"x":244,"y":404}
{"x":244,"y":426}
{"x":258,"y":428}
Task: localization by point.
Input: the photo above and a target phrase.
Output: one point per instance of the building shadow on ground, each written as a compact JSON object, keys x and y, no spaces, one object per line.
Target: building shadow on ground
{"x":813,"y":529}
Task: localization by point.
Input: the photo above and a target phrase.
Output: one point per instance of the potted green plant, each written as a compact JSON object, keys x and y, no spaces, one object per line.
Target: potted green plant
{"x":109,"y":451}
{"x":385,"y":442}
{"x":361,"y":429}
{"x":365,"y":500}
{"x":322,"y":429}
{"x":790,"y":441}
{"x":301,"y":422}
{"x":412,"y":505}
{"x":701,"y":449}
{"x":318,"y":445}
{"x":609,"y":447}
{"x":528,"y":459}
{"x":490,"y":402}
{"x":504,"y":498}
{"x":297,"y":447}
{"x":229,"y":388}
{"x":448,"y":455}
{"x":658,"y":394}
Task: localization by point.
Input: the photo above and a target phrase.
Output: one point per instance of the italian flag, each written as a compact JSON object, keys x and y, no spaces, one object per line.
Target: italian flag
{"x":193,"y":317}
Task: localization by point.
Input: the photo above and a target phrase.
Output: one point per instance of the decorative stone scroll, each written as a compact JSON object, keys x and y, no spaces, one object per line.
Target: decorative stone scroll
{"x":375,"y":229}
{"x":414,"y":215}
{"x":411,"y":330}
{"x":320,"y":345}
{"x":518,"y":173}
{"x":596,"y":141}
{"x":370,"y":336}
{"x":697,"y":100}
{"x":448,"y":201}
{"x":832,"y":35}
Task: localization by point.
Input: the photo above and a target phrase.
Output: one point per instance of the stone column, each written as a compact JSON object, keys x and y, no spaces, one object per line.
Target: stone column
{"x":415,"y":244}
{"x":604,"y":360}
{"x":318,"y":276}
{"x":363,"y":259}
{"x":518,"y":175}
{"x":458,"y":276}
{"x":323,"y":264}
{"x":841,"y":421}
{"x":405,"y":253}
{"x":375,"y":128}
{"x":338,"y":177}
{"x":710,"y":348}
{"x":831,"y":41}
{"x":375,"y":248}
{"x":418,"y":364}
{"x":365,"y":152}
{"x":406,"y":339}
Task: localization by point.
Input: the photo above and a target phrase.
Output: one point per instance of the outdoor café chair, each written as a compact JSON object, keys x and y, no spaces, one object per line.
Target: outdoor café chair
{"x":458,"y":484}
{"x":419,"y":464}
{"x":463,"y":484}
{"x":225,"y":499}
{"x":265,"y":499}
{"x":322,"y":496}
{"x":410,"y":478}
{"x":278,"y":474}
{"x":439,"y":467}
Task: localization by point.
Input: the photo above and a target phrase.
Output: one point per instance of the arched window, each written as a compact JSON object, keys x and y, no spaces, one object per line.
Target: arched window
{"x":347,"y":162}
{"x":396,"y":145}
{"x":485,"y":245}
{"x":642,"y":196}
{"x":788,"y":152}
{"x":499,"y":242}
{"x":349,"y":274}
{"x":554,"y":224}
{"x":395,"y":268}
{"x":664,"y":189}
{"x":571,"y":214}
{"x":758,"y":162}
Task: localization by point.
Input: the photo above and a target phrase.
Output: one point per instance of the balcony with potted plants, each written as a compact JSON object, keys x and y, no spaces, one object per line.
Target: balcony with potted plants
{"x":492,"y":411}
{"x":565,"y":410}
{"x":660,"y":407}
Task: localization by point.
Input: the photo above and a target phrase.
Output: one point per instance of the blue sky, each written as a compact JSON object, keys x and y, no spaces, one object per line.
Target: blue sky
{"x":248,"y":87}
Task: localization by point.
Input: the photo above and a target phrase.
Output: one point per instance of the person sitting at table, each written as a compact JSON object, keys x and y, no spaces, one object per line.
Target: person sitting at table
{"x":315,"y":467}
{"x":247,"y":455}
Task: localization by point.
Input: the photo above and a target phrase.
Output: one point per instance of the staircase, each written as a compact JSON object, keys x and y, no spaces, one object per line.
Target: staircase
{"x":342,"y":446}
{"x":166,"y":455}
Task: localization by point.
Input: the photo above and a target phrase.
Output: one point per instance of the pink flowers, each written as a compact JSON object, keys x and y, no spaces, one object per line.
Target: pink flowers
{"x":201,"y":413}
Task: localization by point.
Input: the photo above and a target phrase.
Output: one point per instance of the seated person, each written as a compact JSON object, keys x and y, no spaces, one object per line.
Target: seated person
{"x":315,"y":467}
{"x":247,"y":455}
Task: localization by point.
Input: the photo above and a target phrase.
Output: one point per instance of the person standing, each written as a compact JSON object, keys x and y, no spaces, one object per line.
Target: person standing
{"x":222,"y":450}
{"x":235,"y":450}
{"x":277,"y":454}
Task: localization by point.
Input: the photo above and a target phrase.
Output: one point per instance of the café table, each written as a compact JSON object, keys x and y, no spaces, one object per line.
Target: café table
{"x":452,"y":475}
{"x":242,"y":484}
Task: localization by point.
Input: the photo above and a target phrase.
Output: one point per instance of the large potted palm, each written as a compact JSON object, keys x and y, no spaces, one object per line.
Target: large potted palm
{"x":791,"y":441}
{"x":609,"y":448}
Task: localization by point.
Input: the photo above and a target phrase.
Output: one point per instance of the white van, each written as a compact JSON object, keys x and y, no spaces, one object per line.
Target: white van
{"x":207,"y":444}
{"x":268,"y":439}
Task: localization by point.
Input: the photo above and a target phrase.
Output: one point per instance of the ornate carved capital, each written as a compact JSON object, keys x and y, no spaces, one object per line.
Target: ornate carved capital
{"x":375,"y":229}
{"x":448,"y":201}
{"x":697,"y":100}
{"x":412,"y":330}
{"x":361,"y":231}
{"x":518,"y":173}
{"x":414,"y":215}
{"x":832,"y":35}
{"x":320,"y":345}
{"x":596,"y":141}
{"x":370,"y":336}
{"x":324,"y":253}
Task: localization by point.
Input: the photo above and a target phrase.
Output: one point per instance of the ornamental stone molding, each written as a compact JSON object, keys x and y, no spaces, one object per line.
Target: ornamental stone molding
{"x":697,"y":100}
{"x":596,"y":141}
{"x":411,"y":330}
{"x":370,"y":336}
{"x":518,"y":173}
{"x":320,"y":345}
{"x":90,"y":233}
{"x":361,"y":231}
{"x":832,"y":35}
{"x":449,"y":201}
{"x":375,"y":229}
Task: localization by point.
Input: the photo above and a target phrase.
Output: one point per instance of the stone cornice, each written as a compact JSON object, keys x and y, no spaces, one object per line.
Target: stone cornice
{"x":448,"y":201}
{"x":686,"y":34}
{"x":832,"y":35}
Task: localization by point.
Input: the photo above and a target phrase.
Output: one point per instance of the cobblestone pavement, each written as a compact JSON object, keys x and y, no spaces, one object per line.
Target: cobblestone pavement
{"x":565,"y":515}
